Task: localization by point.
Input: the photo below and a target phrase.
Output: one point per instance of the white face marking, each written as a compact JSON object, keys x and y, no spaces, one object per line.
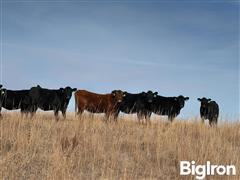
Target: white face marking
{"x":2,"y":92}
{"x":155,"y":95}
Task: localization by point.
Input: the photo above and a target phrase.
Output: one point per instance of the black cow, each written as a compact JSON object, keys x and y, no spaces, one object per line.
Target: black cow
{"x":138,"y":103}
{"x":209,"y":110}
{"x":51,"y":99}
{"x":170,"y":106}
{"x":15,"y":99}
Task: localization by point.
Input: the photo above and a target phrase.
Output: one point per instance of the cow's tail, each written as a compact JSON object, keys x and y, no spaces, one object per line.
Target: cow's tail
{"x":76,"y":104}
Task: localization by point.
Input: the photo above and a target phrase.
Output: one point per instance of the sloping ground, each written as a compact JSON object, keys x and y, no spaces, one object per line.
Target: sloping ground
{"x":90,"y":148}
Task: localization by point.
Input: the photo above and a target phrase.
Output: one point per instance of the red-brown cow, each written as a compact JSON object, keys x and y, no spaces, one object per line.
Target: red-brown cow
{"x":99,"y":103}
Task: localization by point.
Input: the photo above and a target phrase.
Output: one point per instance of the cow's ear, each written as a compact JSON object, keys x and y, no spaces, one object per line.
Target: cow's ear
{"x":74,"y":89}
{"x":155,"y":94}
{"x":113,"y":92}
{"x":186,"y":98}
{"x":199,"y":99}
{"x":61,"y":89}
{"x":208,"y":99}
{"x":143,"y":93}
{"x":0,"y":86}
{"x":3,"y":91}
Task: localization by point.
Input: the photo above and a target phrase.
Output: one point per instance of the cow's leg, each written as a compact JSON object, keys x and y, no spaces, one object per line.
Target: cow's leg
{"x":56,"y":114}
{"x":32,"y":114}
{"x":170,"y":118}
{"x":32,"y":111}
{"x":215,"y":122}
{"x":91,"y":116}
{"x":107,"y":117}
{"x":212,"y":122}
{"x":139,"y":116}
{"x":79,"y":112}
{"x":23,"y":113}
{"x":147,"y":117}
{"x":64,"y":113}
{"x":1,"y":113}
{"x":215,"y":119}
{"x":115,"y":116}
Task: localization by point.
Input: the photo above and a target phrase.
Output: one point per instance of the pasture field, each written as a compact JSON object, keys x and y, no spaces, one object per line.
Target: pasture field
{"x":89,"y":148}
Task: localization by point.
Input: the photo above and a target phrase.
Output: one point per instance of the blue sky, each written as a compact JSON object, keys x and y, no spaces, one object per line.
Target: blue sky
{"x":189,"y":48}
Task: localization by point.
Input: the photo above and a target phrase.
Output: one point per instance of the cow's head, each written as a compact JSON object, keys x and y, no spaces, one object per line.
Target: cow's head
{"x":204,"y":101}
{"x":118,"y":95}
{"x":149,"y":96}
{"x":67,"y":91}
{"x":181,"y":100}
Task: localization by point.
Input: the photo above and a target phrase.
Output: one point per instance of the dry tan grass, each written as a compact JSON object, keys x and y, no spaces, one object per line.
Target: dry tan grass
{"x":89,"y":148}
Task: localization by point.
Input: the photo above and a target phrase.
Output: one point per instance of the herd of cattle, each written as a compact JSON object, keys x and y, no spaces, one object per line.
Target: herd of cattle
{"x":143,"y":104}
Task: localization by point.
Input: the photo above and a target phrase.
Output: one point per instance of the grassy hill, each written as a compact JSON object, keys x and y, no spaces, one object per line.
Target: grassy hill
{"x":89,"y":148}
